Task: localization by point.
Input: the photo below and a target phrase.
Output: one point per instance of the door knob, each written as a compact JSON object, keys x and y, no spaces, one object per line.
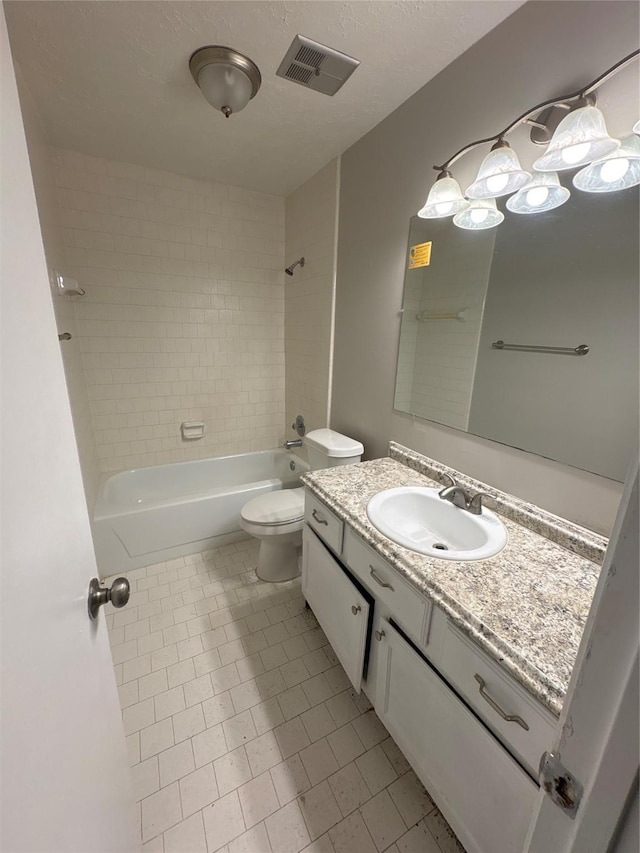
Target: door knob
{"x":117,"y":594}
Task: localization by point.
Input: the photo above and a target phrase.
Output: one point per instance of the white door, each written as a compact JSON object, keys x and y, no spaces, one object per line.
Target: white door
{"x":64,"y":773}
{"x":597,"y":738}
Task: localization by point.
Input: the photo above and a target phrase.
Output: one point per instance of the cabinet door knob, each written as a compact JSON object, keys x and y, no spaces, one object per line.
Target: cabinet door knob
{"x":355,"y":609}
{"x":379,"y":635}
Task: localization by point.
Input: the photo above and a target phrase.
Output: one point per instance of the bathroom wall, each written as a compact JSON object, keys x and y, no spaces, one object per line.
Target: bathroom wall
{"x":542,"y":50}
{"x":183,"y":318}
{"x":311,"y":218}
{"x":45,"y":189}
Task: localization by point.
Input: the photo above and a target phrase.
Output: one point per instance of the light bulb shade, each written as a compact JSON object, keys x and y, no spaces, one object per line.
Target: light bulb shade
{"x":636,"y":127}
{"x":445,"y":199}
{"x":580,"y":138}
{"x":227,"y":79}
{"x":543,"y":192}
{"x":500,"y":174}
{"x":480,"y":214}
{"x":616,"y":171}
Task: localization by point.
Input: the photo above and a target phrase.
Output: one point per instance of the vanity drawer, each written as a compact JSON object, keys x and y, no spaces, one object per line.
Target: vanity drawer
{"x":493,"y":694}
{"x":408,"y":608}
{"x":326,"y":524}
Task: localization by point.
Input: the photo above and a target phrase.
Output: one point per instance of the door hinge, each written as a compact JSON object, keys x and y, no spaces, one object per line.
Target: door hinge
{"x":563,"y":788}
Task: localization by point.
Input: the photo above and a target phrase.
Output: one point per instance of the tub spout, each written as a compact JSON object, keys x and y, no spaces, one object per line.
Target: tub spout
{"x":293,"y":442}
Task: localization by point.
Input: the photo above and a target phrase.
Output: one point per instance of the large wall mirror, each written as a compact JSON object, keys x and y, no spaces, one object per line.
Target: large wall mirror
{"x":559,"y":279}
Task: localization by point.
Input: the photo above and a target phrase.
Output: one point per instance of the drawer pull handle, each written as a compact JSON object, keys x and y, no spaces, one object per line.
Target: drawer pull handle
{"x":379,"y":635}
{"x":318,"y":519}
{"x":510,"y":718}
{"x":355,"y":609}
{"x":379,"y":580}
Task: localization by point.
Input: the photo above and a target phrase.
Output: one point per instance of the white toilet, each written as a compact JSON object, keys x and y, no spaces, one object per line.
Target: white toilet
{"x":276,"y":518}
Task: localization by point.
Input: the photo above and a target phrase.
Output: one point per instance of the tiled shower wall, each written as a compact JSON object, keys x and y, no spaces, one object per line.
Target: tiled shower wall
{"x":183,"y":318}
{"x":310,"y":227}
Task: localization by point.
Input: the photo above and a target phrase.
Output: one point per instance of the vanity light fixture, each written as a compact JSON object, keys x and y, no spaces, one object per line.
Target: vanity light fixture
{"x":227,"y":79}
{"x":578,"y":139}
{"x":481,"y":214}
{"x":616,"y":171}
{"x":543,"y":192}
{"x":500,"y":173}
{"x":445,"y":198}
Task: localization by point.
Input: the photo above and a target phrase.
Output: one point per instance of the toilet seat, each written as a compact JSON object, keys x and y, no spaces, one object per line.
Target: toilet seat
{"x":275,"y":509}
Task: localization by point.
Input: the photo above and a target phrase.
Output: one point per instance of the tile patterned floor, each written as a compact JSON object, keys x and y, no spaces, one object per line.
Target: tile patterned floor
{"x":244,"y":733}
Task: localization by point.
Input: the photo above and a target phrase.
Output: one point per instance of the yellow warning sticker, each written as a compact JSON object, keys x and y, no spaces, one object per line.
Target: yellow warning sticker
{"x":420,"y":255}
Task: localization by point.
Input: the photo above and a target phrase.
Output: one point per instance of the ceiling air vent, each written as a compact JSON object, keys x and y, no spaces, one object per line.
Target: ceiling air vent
{"x":316,"y":66}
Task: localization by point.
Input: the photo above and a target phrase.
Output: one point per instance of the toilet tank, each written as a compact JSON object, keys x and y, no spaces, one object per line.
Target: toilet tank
{"x":327,"y":448}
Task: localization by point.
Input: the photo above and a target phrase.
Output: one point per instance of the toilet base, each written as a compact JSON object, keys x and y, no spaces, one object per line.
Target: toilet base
{"x":279,"y":561}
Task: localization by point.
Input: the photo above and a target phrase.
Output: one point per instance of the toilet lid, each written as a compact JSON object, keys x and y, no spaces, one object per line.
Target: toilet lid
{"x":279,"y":507}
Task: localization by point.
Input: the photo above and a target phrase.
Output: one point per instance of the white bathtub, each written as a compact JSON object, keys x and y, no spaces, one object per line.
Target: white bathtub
{"x":152,"y":514}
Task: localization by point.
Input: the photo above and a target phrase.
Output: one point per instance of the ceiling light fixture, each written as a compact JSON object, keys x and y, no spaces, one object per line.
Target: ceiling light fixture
{"x":576,"y":135}
{"x":227,"y":79}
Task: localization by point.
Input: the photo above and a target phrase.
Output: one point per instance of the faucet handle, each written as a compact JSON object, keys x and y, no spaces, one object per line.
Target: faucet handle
{"x":448,"y":477}
{"x":475,"y":504}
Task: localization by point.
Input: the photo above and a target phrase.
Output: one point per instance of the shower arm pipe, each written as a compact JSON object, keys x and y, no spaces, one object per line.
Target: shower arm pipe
{"x":562,"y":101}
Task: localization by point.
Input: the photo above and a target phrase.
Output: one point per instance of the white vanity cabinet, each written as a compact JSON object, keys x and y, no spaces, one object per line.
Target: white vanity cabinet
{"x":467,"y":728}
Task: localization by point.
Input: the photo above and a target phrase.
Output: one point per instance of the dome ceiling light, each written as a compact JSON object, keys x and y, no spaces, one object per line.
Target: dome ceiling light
{"x":227,"y":79}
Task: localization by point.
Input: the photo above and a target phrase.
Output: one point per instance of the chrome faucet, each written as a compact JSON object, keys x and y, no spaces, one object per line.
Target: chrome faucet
{"x":461,"y":498}
{"x":293,"y":442}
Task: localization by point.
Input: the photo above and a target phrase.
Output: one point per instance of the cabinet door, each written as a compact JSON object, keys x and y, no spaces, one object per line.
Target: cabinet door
{"x":483,"y":793}
{"x":341,"y":610}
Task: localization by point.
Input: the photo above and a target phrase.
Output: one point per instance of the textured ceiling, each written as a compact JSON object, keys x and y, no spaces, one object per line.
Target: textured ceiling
{"x":112,"y":78}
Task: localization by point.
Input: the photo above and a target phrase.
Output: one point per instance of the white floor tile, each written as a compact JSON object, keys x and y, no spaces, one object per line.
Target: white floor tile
{"x":383,"y":820}
{"x":342,"y":708}
{"x":442,"y":832}
{"x":145,"y":778}
{"x":292,"y":737}
{"x":319,"y":761}
{"x":258,"y":799}
{"x":198,"y":690}
{"x":153,"y":684}
{"x":318,"y":722}
{"x":349,"y":788}
{"x":217,"y":709}
{"x":376,"y":769}
{"x":290,"y":779}
{"x":156,"y":738}
{"x":161,"y":811}
{"x":352,"y":836}
{"x":320,"y":845}
{"x":239,"y":729}
{"x":232,"y":770}
{"x":267,"y":715}
{"x":223,"y":821}
{"x":198,"y":789}
{"x":418,"y":840}
{"x":263,"y":753}
{"x":176,"y":762}
{"x":346,"y":744}
{"x":287,"y":830}
{"x":255,"y":840}
{"x":186,"y":837}
{"x":395,"y":756}
{"x":209,"y":745}
{"x":293,"y":702}
{"x":138,"y":716}
{"x":411,"y":798}
{"x":369,"y":729}
{"x":168,"y":703}
{"x":319,"y":809}
{"x":188,"y":723}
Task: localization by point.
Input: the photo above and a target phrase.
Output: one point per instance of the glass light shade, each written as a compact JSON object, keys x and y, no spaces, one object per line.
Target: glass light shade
{"x":480,"y":214}
{"x":543,"y":192}
{"x":225,"y":86}
{"x":580,"y":138}
{"x":500,"y":174}
{"x":616,"y":171}
{"x":445,"y":199}
{"x":636,"y":127}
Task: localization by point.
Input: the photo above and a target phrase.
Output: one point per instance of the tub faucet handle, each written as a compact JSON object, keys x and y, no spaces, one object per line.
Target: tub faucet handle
{"x":293,"y":442}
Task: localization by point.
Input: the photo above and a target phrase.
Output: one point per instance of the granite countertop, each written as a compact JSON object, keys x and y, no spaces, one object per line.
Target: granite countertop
{"x":526,"y":607}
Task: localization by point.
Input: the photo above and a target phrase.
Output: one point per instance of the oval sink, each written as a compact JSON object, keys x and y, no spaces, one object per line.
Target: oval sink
{"x":419,"y":519}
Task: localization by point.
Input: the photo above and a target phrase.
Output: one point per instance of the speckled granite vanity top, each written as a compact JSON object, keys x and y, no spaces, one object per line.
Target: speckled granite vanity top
{"x":526,"y":607}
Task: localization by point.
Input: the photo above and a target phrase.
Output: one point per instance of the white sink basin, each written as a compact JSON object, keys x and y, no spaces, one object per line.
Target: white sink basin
{"x":419,"y":519}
